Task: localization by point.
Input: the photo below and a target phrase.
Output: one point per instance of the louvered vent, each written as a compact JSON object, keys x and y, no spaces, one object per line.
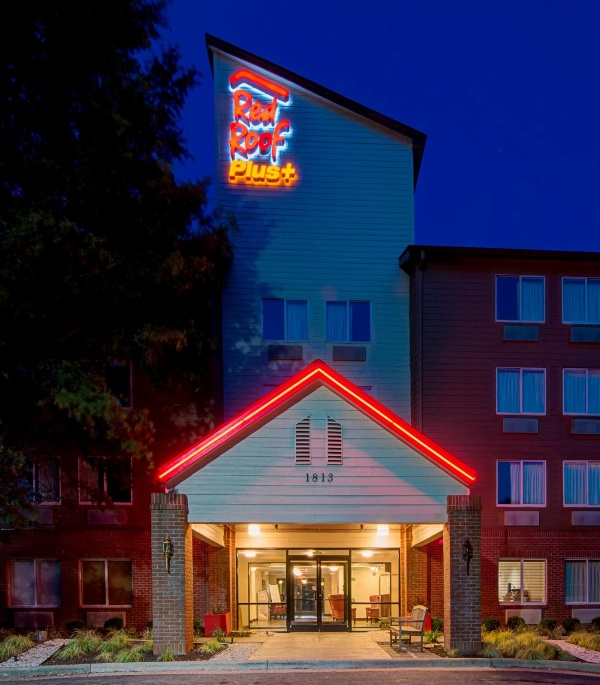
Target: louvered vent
{"x":303,"y":441}
{"x":335,"y":445}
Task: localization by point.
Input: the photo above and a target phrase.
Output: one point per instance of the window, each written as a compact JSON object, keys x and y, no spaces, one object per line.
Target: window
{"x":348,"y":321}
{"x":44,"y":481}
{"x":522,"y":580}
{"x":335,"y":444}
{"x":522,"y":483}
{"x":581,"y":483}
{"x":100,"y":478}
{"x":34,"y":583}
{"x":285,"y":319}
{"x":106,"y":582}
{"x":582,"y":581}
{"x":520,"y":298}
{"x":581,"y":391}
{"x":117,"y":375}
{"x":521,"y":391}
{"x":581,"y":300}
{"x":303,"y":441}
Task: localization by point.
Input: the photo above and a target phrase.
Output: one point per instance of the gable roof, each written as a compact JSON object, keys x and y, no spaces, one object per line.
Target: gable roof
{"x":417,"y":137}
{"x":285,"y":395}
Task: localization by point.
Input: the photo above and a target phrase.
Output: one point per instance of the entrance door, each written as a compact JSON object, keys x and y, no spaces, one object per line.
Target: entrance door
{"x":318,"y":596}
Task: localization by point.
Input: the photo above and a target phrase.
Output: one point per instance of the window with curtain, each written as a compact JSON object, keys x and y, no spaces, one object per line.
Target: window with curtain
{"x":106,"y":582}
{"x":348,"y":321}
{"x":44,"y":481}
{"x":581,"y":480}
{"x":520,"y":298}
{"x":581,"y":391}
{"x":581,"y":300}
{"x":521,"y":581}
{"x":34,"y":583}
{"x":102,"y":478}
{"x":520,"y":391}
{"x":522,"y":483}
{"x":285,"y":320}
{"x":582,"y":581}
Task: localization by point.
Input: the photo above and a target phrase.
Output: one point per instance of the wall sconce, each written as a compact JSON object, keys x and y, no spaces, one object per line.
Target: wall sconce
{"x":467,"y":552}
{"x":167,"y":552}
{"x":254,"y":529}
{"x":382,"y":530}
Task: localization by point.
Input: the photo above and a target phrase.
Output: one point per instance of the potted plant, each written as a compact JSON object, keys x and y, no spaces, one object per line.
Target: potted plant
{"x":218,"y":618}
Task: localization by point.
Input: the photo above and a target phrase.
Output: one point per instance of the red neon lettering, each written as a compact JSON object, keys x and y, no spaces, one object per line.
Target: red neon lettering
{"x":237,"y":135}
{"x":241,"y":103}
{"x":282,"y":127}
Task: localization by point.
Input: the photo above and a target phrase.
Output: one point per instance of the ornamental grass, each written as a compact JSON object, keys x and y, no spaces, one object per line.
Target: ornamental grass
{"x":527,"y":645}
{"x":14,"y":645}
{"x":586,"y":640}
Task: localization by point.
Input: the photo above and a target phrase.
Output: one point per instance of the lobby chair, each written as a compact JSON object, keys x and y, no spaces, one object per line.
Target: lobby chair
{"x":373,"y":610}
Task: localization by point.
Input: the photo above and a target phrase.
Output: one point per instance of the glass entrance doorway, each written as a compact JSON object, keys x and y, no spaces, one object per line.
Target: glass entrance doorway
{"x":317,"y":591}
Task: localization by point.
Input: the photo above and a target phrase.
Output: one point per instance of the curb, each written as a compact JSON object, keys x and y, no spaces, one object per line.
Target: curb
{"x":191,"y":666}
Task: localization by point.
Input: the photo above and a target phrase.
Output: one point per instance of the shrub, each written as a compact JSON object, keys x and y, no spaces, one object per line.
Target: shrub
{"x":114,"y":623}
{"x":128,"y":655}
{"x":72,"y":626}
{"x":490,"y":624}
{"x":219,"y":634}
{"x":585,"y":640}
{"x":515,"y":623}
{"x":431,"y":635}
{"x":571,"y":624}
{"x":116,"y":642}
{"x":166,"y":656}
{"x":14,"y":645}
{"x":596,"y":623}
{"x":83,"y":642}
{"x":547,"y":626}
{"x":198,"y":627}
{"x":210,"y":648}
{"x":437,"y":624}
{"x":149,"y":625}
{"x":144,"y":647}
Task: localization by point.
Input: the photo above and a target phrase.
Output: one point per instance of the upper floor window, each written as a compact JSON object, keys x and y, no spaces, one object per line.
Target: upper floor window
{"x":106,"y":582}
{"x":44,"y":481}
{"x":582,"y":581}
{"x":522,"y":580}
{"x":581,"y":483}
{"x":285,"y":319}
{"x":521,"y":391}
{"x":98,"y":477}
{"x":520,"y":298}
{"x":581,"y":391}
{"x":522,"y":483}
{"x":34,"y":583}
{"x":348,"y":321}
{"x":117,"y":375}
{"x":581,"y":300}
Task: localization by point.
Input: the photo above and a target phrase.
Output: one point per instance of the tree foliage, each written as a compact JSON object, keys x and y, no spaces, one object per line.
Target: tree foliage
{"x":104,"y":253}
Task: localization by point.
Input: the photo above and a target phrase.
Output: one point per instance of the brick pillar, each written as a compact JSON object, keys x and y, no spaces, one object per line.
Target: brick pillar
{"x":172,"y":593}
{"x":462,"y":592}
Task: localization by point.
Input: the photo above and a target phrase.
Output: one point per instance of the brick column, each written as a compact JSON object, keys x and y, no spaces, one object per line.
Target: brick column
{"x":462,"y":592}
{"x":172,"y":593}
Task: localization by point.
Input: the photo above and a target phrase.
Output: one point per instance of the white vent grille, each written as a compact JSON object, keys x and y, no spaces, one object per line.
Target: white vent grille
{"x":303,"y":441}
{"x":335,"y":444}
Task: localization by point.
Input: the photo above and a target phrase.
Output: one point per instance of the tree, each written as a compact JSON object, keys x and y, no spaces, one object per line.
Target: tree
{"x":105,"y":257}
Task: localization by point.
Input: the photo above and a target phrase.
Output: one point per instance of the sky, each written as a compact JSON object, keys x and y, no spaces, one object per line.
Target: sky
{"x":507,"y":91}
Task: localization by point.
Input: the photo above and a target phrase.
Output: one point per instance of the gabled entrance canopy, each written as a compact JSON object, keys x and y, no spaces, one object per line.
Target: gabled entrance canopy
{"x":287,"y":394}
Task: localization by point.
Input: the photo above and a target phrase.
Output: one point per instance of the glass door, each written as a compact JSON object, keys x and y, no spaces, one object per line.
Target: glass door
{"x":317,"y":597}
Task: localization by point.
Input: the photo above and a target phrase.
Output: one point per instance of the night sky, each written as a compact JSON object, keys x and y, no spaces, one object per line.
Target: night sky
{"x":507,"y":91}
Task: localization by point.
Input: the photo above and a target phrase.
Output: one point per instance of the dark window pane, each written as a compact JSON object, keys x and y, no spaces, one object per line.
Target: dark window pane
{"x":273,"y":320}
{"x":118,"y":481}
{"x":360,"y":321}
{"x":507,"y":298}
{"x":119,"y":583}
{"x":92,"y":582}
{"x":504,"y":483}
{"x":22,"y":583}
{"x":48,"y":583}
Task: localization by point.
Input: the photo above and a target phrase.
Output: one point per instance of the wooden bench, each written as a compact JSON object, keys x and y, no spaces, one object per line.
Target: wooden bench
{"x":408,"y":625}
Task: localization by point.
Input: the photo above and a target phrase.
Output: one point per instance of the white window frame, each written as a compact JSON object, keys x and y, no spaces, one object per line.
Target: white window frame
{"x":35,"y":480}
{"x":285,"y":301}
{"x":106,"y":586}
{"x":521,"y":602}
{"x":587,"y":463}
{"x":521,"y":462}
{"x":105,"y":486}
{"x":520,"y":319}
{"x":587,"y":581}
{"x":9,"y":603}
{"x":520,"y":370}
{"x":578,"y":413}
{"x":348,"y":325}
{"x":562,"y":292}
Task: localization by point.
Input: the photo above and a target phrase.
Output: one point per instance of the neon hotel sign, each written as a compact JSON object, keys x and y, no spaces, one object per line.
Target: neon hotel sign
{"x":258,"y":133}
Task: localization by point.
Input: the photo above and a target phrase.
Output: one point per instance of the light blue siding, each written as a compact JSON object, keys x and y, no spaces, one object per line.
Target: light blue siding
{"x":335,"y":234}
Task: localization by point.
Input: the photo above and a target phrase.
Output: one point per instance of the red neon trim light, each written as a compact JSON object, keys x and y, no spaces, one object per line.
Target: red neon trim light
{"x":268,"y":87}
{"x":319,"y":372}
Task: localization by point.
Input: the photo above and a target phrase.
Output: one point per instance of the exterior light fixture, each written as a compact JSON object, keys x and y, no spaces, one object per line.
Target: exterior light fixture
{"x":254,"y":529}
{"x":333,"y":569}
{"x":297,"y":572}
{"x":382,"y":530}
{"x":168,"y":552}
{"x":249,"y":555}
{"x":467,"y":552}
{"x":310,"y":553}
{"x":367,"y":554}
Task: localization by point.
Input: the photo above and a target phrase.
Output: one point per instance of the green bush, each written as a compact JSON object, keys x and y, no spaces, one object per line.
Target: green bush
{"x":437,"y":624}
{"x":166,"y":656}
{"x":211,"y":647}
{"x":116,"y":642}
{"x":83,"y":642}
{"x":547,"y":626}
{"x":114,"y":623}
{"x":14,"y":645}
{"x":490,"y":624}
{"x":571,"y":624}
{"x":596,"y":623}
{"x":515,"y":623}
{"x":219,"y":634}
{"x":72,"y":626}
{"x":431,"y":635}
